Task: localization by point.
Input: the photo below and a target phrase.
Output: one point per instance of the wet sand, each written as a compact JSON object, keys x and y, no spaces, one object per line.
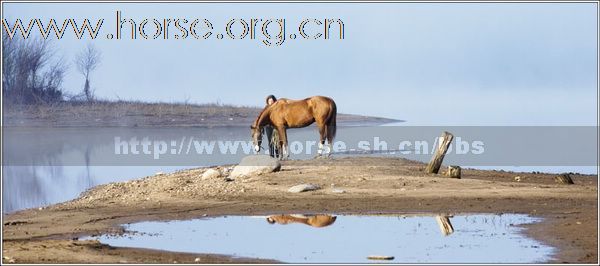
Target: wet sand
{"x":371,"y":185}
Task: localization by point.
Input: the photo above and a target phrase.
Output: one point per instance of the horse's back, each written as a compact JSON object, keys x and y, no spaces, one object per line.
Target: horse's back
{"x":314,"y":100}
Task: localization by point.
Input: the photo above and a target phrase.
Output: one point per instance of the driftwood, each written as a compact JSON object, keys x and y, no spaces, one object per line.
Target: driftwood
{"x":453,"y":171}
{"x":436,"y":161}
{"x":445,"y":225}
{"x":378,"y":257}
{"x":564,"y":179}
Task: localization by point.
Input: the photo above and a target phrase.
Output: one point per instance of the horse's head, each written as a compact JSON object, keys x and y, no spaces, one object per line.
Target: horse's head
{"x":256,"y":137}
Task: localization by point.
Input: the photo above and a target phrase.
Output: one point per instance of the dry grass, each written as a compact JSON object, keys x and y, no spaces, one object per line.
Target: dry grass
{"x":136,"y":113}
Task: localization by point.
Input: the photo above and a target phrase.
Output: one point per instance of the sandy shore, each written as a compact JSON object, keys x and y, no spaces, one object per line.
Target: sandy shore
{"x":50,"y":235}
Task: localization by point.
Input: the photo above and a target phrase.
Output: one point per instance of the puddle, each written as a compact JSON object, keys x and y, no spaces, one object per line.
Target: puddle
{"x":481,"y":238}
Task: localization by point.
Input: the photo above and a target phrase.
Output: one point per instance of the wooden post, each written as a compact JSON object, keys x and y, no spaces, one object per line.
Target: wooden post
{"x":445,"y":225}
{"x":380,"y":257}
{"x":564,"y":179}
{"x":454,"y":171}
{"x":436,"y":161}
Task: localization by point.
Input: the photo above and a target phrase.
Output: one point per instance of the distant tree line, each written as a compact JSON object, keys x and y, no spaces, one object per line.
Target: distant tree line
{"x":33,"y":73}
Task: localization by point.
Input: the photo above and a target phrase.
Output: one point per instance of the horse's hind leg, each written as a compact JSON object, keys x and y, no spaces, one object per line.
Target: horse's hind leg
{"x":329,"y":138}
{"x":326,"y":137}
{"x":322,"y":133}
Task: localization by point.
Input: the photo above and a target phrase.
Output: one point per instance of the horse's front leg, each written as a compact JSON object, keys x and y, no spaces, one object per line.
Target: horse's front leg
{"x":284,"y":143}
{"x":285,"y":153}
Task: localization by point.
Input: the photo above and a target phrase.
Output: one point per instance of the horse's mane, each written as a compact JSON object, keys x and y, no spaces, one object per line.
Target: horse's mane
{"x":268,"y":107}
{"x":255,"y":124}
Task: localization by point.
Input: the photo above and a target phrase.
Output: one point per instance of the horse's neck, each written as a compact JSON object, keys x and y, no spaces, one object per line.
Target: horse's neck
{"x":264,"y":118}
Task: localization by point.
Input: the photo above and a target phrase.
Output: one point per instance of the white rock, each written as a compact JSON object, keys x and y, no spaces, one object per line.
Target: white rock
{"x":303,"y":188}
{"x":337,"y":190}
{"x":211,"y":173}
{"x":255,"y":165}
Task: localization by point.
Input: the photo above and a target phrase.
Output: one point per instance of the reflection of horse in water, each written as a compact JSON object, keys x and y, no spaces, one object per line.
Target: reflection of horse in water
{"x":317,"y":220}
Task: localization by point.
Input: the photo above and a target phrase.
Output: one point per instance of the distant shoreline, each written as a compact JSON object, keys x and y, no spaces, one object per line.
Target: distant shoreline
{"x":142,"y":114}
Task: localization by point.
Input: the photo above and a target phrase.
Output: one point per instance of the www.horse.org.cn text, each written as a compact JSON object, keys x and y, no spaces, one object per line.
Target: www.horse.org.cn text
{"x":269,"y":31}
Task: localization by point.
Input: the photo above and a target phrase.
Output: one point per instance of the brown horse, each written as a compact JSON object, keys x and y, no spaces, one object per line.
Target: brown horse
{"x":285,"y":113}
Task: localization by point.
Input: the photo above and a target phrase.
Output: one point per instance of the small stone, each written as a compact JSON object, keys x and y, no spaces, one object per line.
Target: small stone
{"x":229,"y":179}
{"x":518,"y":178}
{"x":578,"y":222}
{"x":255,"y":165}
{"x":197,"y":260}
{"x":303,"y":188}
{"x":159,"y":173}
{"x":210,"y":173}
{"x":337,"y":190}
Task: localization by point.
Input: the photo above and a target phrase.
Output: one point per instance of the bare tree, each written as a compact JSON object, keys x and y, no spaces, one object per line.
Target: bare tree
{"x":31,"y":74}
{"x":87,"y":61}
{"x":9,"y":50}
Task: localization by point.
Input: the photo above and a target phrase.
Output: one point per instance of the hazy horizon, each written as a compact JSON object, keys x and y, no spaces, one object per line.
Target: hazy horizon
{"x":426,"y":63}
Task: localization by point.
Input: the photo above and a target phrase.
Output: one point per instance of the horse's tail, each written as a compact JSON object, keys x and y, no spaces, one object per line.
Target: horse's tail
{"x":331,"y":125}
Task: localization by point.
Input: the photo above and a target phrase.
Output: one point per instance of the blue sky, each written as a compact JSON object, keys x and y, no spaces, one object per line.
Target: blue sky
{"x":427,"y":63}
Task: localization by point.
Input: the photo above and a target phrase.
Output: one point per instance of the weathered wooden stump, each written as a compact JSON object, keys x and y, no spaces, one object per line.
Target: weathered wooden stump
{"x":380,"y":257}
{"x":436,"y":161}
{"x":564,"y":179}
{"x":453,"y":171}
{"x":445,"y":225}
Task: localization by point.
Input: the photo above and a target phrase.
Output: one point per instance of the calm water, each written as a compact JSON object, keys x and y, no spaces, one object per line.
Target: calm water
{"x":481,"y":238}
{"x":50,"y":165}
{"x":43,"y":166}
